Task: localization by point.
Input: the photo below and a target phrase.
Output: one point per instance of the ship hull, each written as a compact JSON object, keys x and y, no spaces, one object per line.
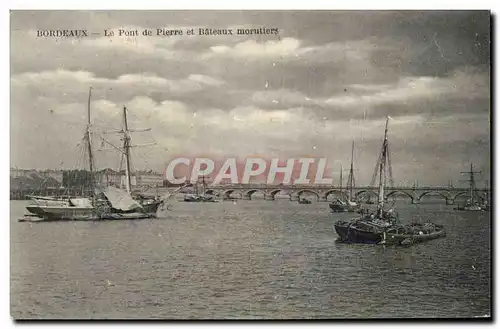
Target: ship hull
{"x":410,"y":239}
{"x":353,"y":235}
{"x":152,"y":208}
{"x":64,"y":213}
{"x":469,"y":208}
{"x":199,"y":199}
{"x":341,"y":208}
{"x":392,"y":235}
{"x":60,"y":212}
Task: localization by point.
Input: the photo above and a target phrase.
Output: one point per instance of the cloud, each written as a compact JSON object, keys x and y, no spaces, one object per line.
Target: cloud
{"x":251,"y":49}
{"x":72,"y":85}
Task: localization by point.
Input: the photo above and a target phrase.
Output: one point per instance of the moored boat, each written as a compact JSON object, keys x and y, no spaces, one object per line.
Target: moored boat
{"x":340,"y":206}
{"x":472,"y":203}
{"x":103,"y":203}
{"x":406,"y":235}
{"x":350,"y":205}
{"x":384,"y":226}
{"x":200,"y":197}
{"x":113,"y":203}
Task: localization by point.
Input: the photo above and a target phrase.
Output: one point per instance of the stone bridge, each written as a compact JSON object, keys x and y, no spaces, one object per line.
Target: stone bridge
{"x":322,"y":192}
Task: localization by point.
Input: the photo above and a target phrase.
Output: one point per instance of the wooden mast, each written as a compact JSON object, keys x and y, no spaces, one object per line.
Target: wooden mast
{"x":89,"y":142}
{"x":340,"y":184}
{"x":381,"y":185}
{"x":350,"y":180}
{"x":126,"y":150}
{"x":471,"y":182}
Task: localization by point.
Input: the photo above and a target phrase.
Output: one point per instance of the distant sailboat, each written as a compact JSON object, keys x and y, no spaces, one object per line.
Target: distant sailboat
{"x":350,"y":205}
{"x":471,"y":204}
{"x":199,"y":197}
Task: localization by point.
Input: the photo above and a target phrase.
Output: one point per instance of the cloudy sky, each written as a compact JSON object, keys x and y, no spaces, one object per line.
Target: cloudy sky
{"x":327,"y":79}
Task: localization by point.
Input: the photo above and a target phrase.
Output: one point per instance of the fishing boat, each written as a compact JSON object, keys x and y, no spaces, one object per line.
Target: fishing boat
{"x":350,"y":205}
{"x":407,"y":235}
{"x":339,"y":205}
{"x":472,"y":203}
{"x":383,"y":226}
{"x":106,"y":203}
{"x":198,"y":196}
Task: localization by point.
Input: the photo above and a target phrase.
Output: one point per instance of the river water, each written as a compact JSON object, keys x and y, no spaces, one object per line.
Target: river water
{"x":251,"y":260}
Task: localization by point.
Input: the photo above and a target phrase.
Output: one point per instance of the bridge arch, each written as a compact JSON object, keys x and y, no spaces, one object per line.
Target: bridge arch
{"x":251,"y":192}
{"x":228,"y":193}
{"x":400,"y":192}
{"x":273,"y":193}
{"x":299,"y":193}
{"x":329,"y":192}
{"x":446,"y":195}
{"x":481,"y":196}
{"x":370,"y":194}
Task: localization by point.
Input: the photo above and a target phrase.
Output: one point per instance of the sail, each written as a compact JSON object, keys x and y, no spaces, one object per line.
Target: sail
{"x":120,"y":199}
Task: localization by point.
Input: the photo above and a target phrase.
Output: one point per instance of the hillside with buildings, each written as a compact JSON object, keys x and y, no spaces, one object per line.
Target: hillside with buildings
{"x":55,"y":182}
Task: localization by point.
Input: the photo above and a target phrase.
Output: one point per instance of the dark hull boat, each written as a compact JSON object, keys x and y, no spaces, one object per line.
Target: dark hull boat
{"x":304,"y":201}
{"x":384,"y":227}
{"x":336,"y":207}
{"x":352,"y":232}
{"x":388,"y":232}
{"x":367,"y":229}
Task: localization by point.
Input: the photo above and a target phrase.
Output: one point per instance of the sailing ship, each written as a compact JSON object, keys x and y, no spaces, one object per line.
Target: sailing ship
{"x":199,"y":197}
{"x":472,"y":203}
{"x":106,"y":203}
{"x":383,"y":226}
{"x":350,"y":205}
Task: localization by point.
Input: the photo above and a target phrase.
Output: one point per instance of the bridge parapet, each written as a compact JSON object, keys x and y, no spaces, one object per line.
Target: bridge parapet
{"x":323,"y":191}
{"x":326,"y":187}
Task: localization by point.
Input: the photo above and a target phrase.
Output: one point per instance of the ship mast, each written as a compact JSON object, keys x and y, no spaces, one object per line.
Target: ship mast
{"x":89,"y":141}
{"x":471,"y":182}
{"x":203,"y":184}
{"x":340,"y":184}
{"x":381,"y":185}
{"x":126,"y":151}
{"x":350,"y":179}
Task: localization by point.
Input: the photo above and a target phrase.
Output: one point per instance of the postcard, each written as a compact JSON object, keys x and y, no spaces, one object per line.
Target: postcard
{"x":250,"y":164}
